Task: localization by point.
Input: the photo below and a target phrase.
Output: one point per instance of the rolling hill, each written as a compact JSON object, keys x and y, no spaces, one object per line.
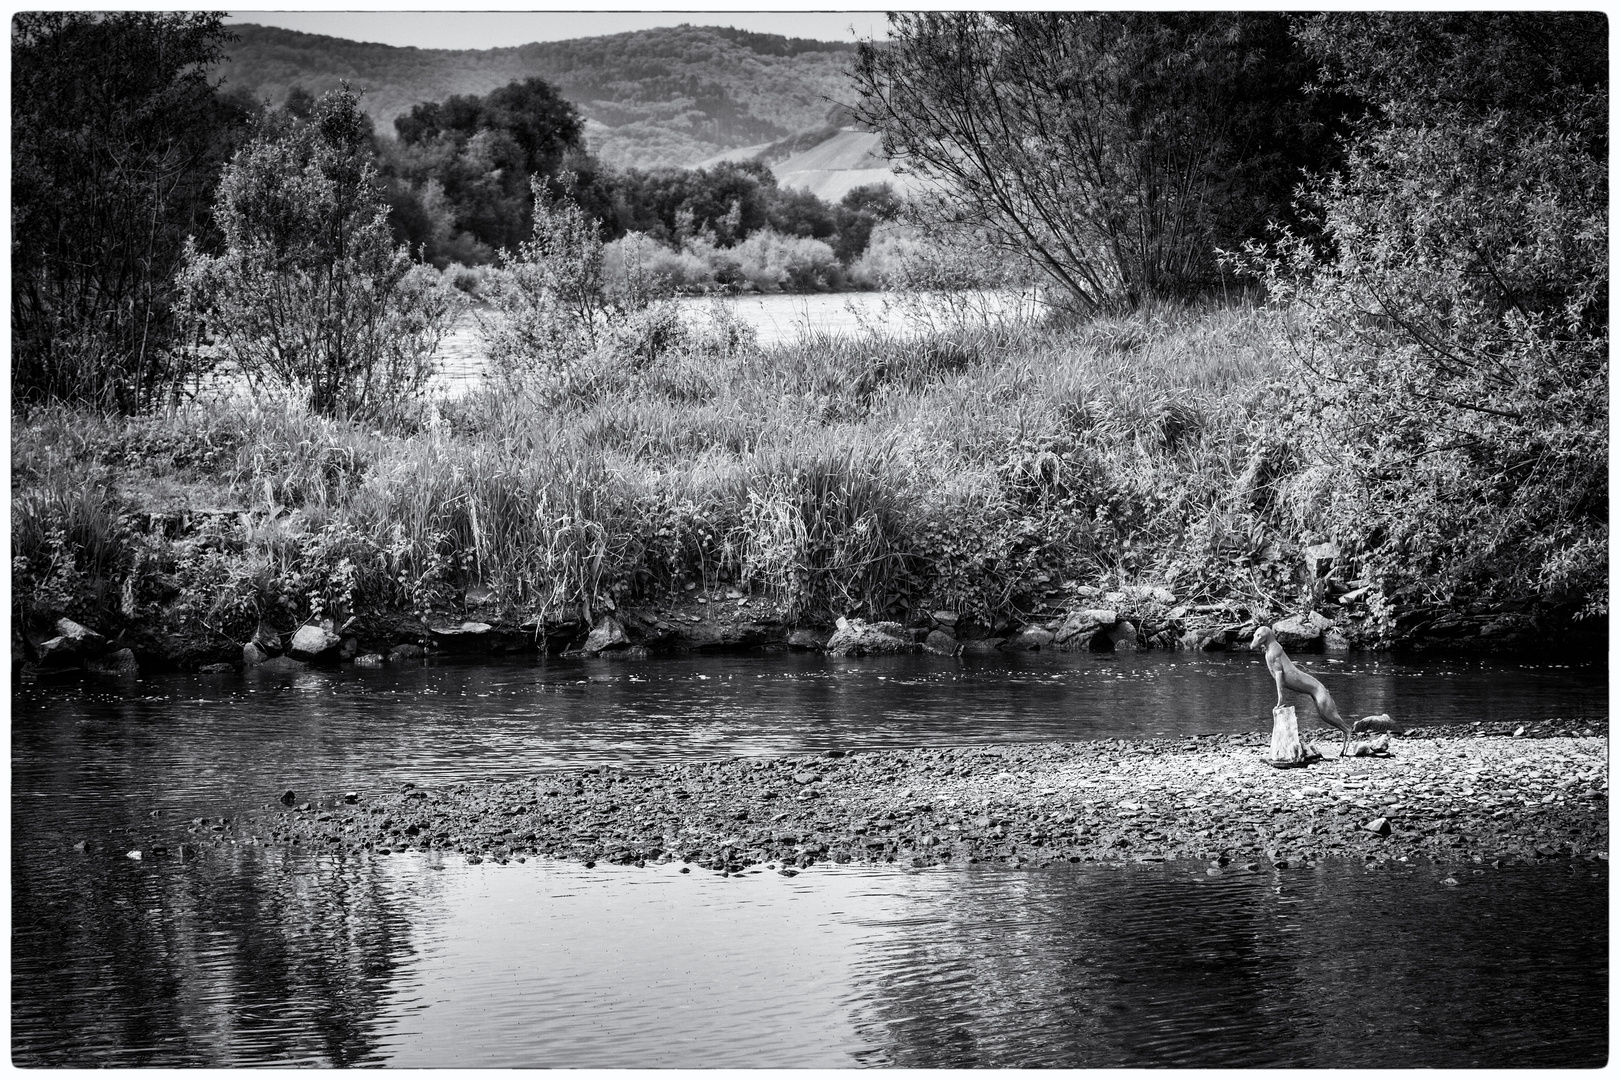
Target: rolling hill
{"x":671,"y":96}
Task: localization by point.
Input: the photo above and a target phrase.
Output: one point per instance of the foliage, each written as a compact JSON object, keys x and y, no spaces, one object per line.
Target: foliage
{"x":549,"y":303}
{"x":461,"y":168}
{"x":1456,"y":331}
{"x":310,"y":294}
{"x":1115,"y":150}
{"x":117,"y":139}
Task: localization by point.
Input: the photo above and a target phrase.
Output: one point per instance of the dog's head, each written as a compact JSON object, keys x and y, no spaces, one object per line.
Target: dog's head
{"x":1262,"y":637}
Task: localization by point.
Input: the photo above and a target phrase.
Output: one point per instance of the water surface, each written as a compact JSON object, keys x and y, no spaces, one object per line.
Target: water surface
{"x":253,"y":955}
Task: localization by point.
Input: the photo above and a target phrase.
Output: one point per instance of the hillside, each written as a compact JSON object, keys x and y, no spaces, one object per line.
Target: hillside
{"x":670,"y":96}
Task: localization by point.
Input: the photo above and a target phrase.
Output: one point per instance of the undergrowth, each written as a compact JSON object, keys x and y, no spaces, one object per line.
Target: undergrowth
{"x":983,"y":468}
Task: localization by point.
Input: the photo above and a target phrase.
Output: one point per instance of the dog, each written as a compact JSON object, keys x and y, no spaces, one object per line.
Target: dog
{"x":1289,"y":677}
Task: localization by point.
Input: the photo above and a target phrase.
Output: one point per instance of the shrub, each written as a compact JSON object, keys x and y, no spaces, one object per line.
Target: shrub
{"x":310,"y":294}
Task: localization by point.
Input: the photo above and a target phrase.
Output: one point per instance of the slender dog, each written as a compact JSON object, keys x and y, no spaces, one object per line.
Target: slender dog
{"x":1289,"y":677}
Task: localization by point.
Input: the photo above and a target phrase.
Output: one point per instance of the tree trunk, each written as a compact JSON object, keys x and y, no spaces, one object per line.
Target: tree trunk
{"x":1287,"y":750}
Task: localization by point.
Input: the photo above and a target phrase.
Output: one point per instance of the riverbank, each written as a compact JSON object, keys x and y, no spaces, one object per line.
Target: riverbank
{"x":1455,"y":795}
{"x":1121,"y":484}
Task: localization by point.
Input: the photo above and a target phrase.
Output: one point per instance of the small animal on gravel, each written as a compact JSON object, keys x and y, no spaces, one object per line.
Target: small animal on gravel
{"x":1289,"y":677}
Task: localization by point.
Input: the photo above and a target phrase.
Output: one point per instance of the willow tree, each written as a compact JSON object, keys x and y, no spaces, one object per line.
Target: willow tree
{"x":1119,"y":151}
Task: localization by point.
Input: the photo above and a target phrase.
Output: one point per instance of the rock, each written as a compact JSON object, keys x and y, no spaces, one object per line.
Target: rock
{"x":1378,"y":722}
{"x":267,"y":638}
{"x":369,"y":660}
{"x":85,"y":640}
{"x":854,"y":637}
{"x":942,"y":643}
{"x":1078,"y":629}
{"x":608,"y":633}
{"x":1335,"y":640}
{"x":1123,"y":636}
{"x":468,"y":637}
{"x":1319,"y":558}
{"x":1301,"y":631}
{"x":1379,"y":825}
{"x":806,"y":777}
{"x":282,"y":665}
{"x":1203,"y":640}
{"x":945,"y":618}
{"x":982,"y":646}
{"x":351,"y":797}
{"x":1031,"y":638}
{"x":350,"y":648}
{"x":216,"y":669}
{"x":82,"y":847}
{"x":407,"y":651}
{"x":254,"y":654}
{"x":804,"y":637}
{"x":58,"y":652}
{"x":136,"y":855}
{"x":313,"y":643}
{"x":119,"y":663}
{"x":288,"y":797}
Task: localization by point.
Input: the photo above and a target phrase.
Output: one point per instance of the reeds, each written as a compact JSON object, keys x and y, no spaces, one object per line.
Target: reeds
{"x":843,"y":474}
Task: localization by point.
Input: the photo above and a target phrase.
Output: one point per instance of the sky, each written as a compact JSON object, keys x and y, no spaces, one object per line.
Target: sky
{"x":494,"y":29}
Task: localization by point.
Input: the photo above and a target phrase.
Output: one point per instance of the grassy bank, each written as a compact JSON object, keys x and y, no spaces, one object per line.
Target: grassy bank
{"x":1000,"y":473}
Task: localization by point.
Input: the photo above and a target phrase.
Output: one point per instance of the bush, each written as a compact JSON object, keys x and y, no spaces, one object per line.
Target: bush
{"x":310,"y":294}
{"x":771,"y":262}
{"x":1456,"y":339}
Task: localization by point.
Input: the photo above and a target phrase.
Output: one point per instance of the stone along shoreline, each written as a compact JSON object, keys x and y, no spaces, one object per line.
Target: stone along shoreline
{"x":1457,"y":794}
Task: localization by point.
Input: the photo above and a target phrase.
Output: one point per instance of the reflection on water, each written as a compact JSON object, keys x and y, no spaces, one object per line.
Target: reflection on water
{"x":257,"y":957}
{"x":252,"y":955}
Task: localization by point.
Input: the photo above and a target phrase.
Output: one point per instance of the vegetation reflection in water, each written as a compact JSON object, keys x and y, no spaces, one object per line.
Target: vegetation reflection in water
{"x":257,"y":957}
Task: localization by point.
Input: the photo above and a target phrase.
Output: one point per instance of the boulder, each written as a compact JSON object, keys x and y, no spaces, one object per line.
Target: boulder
{"x":121,"y":662}
{"x":608,"y":633}
{"x":217,"y":669}
{"x":1031,"y":639}
{"x":1081,"y":626}
{"x":407,"y":651}
{"x":854,"y":637}
{"x":941,"y":643}
{"x":1378,"y":722}
{"x":1202,"y":640}
{"x":980,"y":646}
{"x":369,"y":660}
{"x":469,"y":637}
{"x":267,"y":638}
{"x":282,"y":665}
{"x":945,"y":618}
{"x":1301,"y":631}
{"x":85,"y":640}
{"x":1123,"y":636}
{"x":254,"y":654}
{"x":58,"y":652}
{"x":315,"y":643}
{"x":805,"y":637}
{"x":1335,"y":640}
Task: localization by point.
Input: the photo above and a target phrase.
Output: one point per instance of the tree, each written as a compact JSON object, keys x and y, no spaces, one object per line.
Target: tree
{"x":1117,"y":150}
{"x":481,"y":151}
{"x":1454,"y":321}
{"x":310,"y":292}
{"x":117,"y":139}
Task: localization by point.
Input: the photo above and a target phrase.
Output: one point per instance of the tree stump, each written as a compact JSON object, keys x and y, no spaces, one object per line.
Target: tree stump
{"x":1287,"y":748}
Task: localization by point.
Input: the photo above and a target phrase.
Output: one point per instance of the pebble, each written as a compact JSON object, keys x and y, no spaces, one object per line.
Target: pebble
{"x":1444,"y":796}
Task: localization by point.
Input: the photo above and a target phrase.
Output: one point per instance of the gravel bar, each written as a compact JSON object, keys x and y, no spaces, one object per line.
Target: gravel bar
{"x":1450,"y":795}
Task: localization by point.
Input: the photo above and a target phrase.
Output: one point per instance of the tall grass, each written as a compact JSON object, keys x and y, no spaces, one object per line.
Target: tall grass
{"x":978,"y":467}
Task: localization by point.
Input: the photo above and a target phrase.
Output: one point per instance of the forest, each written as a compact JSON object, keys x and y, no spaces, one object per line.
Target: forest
{"x":1325,"y":334}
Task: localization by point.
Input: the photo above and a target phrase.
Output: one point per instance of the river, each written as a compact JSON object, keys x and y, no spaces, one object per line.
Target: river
{"x":775,"y":318}
{"x":255,"y":955}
